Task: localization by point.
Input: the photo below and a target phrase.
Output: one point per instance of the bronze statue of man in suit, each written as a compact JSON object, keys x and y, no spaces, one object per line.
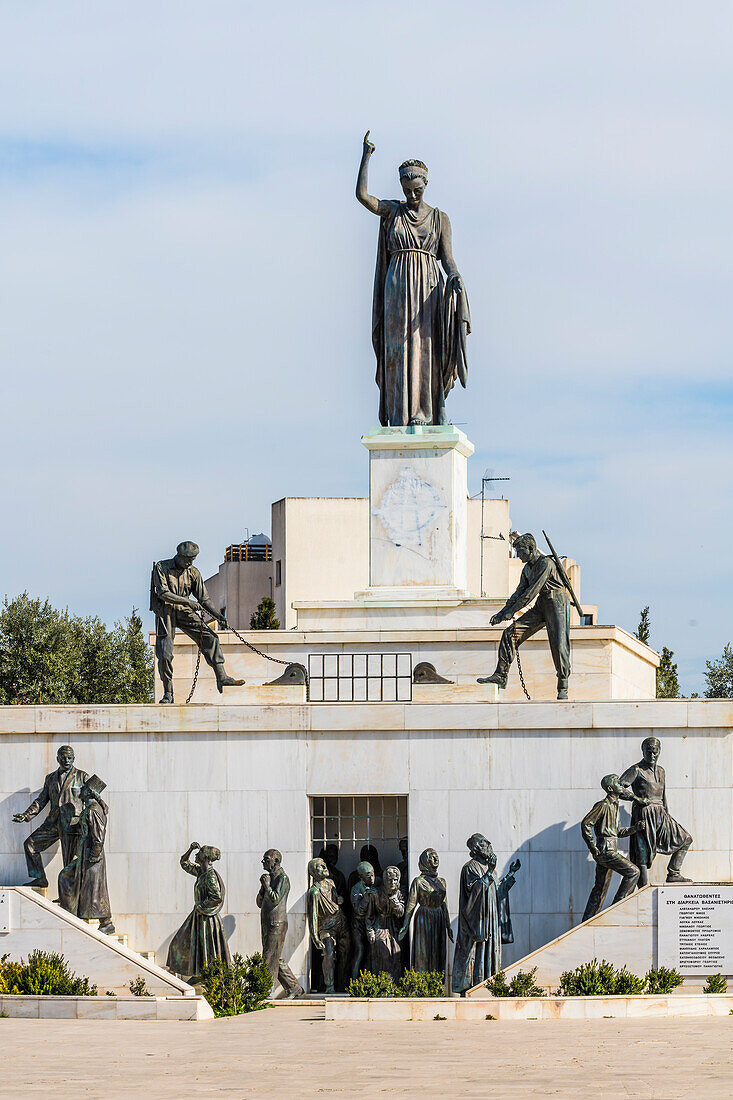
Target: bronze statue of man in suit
{"x":62,"y":792}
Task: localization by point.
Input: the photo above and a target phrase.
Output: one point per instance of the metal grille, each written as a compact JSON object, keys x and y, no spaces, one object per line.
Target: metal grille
{"x":358,"y":819}
{"x":360,"y":677}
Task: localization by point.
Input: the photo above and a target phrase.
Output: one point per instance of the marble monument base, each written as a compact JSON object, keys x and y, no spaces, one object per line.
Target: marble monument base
{"x":418,"y":511}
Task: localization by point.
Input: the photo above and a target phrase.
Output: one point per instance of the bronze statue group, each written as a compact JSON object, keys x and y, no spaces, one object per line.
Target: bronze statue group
{"x":362,"y":924}
{"x":365,"y":928}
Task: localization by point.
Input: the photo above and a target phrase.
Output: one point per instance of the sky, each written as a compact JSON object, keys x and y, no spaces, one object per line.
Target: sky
{"x":185,"y":281}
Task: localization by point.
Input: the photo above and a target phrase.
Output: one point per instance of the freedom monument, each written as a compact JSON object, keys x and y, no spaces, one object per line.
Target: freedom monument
{"x":444,"y":688}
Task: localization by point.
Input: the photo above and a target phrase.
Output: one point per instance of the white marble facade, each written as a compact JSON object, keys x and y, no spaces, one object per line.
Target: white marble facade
{"x":418,"y":510}
{"x":607,"y":662}
{"x":241,"y":777}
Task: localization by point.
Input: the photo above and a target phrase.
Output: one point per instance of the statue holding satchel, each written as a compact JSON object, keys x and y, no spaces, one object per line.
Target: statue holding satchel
{"x":83,"y":882}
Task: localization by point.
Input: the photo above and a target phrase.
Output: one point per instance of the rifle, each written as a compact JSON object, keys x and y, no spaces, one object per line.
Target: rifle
{"x":564,"y":577}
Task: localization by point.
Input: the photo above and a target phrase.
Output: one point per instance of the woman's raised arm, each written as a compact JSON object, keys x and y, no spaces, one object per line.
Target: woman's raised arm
{"x":362,"y":194}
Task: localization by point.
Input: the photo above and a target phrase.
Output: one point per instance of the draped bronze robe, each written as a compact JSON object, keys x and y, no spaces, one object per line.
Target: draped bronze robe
{"x":417,"y":333}
{"x":201,"y":937}
{"x":83,"y":882}
{"x":484,"y":923}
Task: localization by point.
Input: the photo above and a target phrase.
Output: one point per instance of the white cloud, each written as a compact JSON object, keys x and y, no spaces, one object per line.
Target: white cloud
{"x":185,"y":292}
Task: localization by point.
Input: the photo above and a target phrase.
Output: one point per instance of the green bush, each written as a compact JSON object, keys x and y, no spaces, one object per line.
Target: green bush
{"x":587,"y":980}
{"x":498,"y":986}
{"x":372,"y":985}
{"x":716,"y":983}
{"x":244,"y":986}
{"x":662,"y":979}
{"x":413,"y":983}
{"x":46,"y":974}
{"x":628,"y":984}
{"x":603,"y":979}
{"x":139,"y":988}
{"x":521,"y":985}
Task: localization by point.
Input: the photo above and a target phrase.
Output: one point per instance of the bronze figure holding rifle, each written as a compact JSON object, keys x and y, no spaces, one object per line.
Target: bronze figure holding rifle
{"x":545,"y":581}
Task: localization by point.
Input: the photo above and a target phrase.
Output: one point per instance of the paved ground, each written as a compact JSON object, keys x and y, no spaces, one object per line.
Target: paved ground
{"x":291,"y":1052}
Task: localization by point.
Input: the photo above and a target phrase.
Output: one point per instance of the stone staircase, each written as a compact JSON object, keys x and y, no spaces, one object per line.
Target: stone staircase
{"x":30,"y":920}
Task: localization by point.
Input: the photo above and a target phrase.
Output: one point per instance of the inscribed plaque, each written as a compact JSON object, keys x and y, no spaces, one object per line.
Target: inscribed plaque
{"x":695,"y":925}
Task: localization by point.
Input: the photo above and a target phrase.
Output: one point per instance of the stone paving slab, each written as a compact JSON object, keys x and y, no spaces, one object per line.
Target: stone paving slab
{"x":297,"y":1054}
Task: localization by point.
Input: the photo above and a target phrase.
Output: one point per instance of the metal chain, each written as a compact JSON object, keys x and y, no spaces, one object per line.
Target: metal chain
{"x":519,"y":663}
{"x":198,"y":661}
{"x":265,"y":656}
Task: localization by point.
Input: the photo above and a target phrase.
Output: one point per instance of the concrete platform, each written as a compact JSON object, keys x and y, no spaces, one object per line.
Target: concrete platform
{"x":106,"y":1008}
{"x":527,"y":1008}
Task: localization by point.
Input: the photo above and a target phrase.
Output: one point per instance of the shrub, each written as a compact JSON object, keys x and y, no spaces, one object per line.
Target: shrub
{"x":46,"y":974}
{"x":138,"y":987}
{"x":414,"y":983}
{"x":602,"y":979}
{"x":628,"y":984}
{"x":587,"y":980}
{"x":244,"y":986}
{"x":662,"y":979}
{"x":716,"y":983}
{"x":372,"y":985}
{"x":497,"y":985}
{"x":521,"y":985}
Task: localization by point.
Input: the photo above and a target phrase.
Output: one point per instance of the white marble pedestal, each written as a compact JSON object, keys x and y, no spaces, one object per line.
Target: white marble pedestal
{"x":418,"y":511}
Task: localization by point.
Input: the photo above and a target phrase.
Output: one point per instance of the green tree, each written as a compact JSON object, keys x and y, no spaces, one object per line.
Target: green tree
{"x":642,"y":631}
{"x":50,"y":656}
{"x":668,"y":684}
{"x":34,"y":643}
{"x":138,"y":659}
{"x":264,"y":617}
{"x":719,"y":676}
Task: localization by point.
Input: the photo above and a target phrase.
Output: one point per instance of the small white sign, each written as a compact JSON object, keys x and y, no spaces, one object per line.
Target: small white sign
{"x":4,"y":911}
{"x":695,"y":929}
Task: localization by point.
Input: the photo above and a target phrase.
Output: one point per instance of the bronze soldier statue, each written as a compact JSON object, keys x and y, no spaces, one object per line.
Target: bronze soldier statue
{"x":541,"y":579}
{"x":173,"y":582}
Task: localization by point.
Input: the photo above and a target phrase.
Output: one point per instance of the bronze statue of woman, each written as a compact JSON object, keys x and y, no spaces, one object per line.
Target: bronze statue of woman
{"x":201,"y":936}
{"x":432,"y":922}
{"x":419,"y":322}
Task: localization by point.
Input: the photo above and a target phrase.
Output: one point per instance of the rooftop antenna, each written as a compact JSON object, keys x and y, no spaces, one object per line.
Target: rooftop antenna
{"x":488,"y":476}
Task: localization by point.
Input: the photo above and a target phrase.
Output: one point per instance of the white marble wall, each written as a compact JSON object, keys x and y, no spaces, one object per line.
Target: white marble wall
{"x":418,"y":507}
{"x":607,"y":663}
{"x":240,"y":777}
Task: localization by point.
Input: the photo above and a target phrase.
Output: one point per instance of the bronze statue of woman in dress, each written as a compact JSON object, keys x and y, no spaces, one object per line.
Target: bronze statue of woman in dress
{"x":201,"y":936}
{"x":419,"y":322}
{"x":432,"y":920}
